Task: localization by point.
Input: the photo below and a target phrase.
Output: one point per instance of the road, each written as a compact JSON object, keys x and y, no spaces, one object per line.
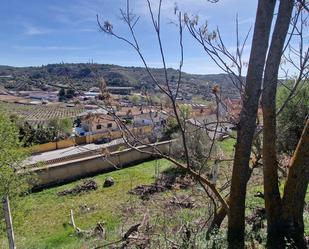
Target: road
{"x":51,"y":155}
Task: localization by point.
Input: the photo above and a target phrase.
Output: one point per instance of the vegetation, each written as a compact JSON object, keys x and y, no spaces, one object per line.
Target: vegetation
{"x":82,"y":77}
{"x":171,"y":127}
{"x":268,"y":47}
{"x":53,"y":130}
{"x":66,"y":94}
{"x":42,"y":219}
{"x":245,"y":180}
{"x":291,"y":120}
{"x":11,"y":155}
{"x":61,"y":128}
{"x":135,"y":99}
{"x":11,"y":184}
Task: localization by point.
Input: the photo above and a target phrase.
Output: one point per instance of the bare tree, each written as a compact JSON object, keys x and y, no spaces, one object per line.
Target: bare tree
{"x":131,"y":20}
{"x":260,"y":65}
{"x":271,"y":188}
{"x":247,"y":123}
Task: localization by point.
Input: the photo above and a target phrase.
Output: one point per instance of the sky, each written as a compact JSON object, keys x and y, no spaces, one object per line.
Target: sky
{"x":40,"y":32}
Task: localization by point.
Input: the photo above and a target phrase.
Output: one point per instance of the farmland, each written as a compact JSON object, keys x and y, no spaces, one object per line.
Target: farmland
{"x":39,"y":114}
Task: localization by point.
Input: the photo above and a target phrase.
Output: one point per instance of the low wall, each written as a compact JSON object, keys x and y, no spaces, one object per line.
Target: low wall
{"x":43,"y":147}
{"x":65,"y":143}
{"x":143,"y":130}
{"x":61,"y":144}
{"x":40,"y":148}
{"x":92,"y":165}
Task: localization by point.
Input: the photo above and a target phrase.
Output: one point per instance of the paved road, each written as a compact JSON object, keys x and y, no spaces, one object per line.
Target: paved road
{"x":69,"y":151}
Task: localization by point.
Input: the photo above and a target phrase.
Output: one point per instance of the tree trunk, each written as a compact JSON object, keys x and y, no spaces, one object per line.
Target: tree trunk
{"x":8,"y":221}
{"x":217,"y":221}
{"x":295,"y":191}
{"x":275,"y":238}
{"x":247,"y":124}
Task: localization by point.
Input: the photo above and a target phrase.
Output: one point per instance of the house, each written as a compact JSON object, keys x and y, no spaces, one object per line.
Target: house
{"x":96,"y":121}
{"x":209,"y":124}
{"x":150,"y":117}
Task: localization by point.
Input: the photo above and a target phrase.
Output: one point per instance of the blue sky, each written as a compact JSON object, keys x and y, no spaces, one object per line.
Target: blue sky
{"x":39,"y":32}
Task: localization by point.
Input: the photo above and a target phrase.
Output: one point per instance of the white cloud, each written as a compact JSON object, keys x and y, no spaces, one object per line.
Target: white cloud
{"x":33,"y":30}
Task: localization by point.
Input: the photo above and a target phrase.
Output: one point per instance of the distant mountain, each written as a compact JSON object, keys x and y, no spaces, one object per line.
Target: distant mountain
{"x":84,"y":76}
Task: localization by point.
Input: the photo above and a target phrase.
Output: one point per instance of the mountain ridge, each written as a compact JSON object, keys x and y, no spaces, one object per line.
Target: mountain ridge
{"x":85,"y":75}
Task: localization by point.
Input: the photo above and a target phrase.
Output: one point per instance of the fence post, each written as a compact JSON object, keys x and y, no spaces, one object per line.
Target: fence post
{"x":8,"y":221}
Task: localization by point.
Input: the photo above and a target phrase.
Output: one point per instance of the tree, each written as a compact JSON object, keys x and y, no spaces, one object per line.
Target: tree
{"x":135,"y":99}
{"x":291,"y":120}
{"x":270,"y":167}
{"x":247,"y":123}
{"x":70,"y":93}
{"x":11,"y":156}
{"x":61,"y":128}
{"x":62,"y":95}
{"x":295,"y":191}
{"x":185,"y":112}
{"x":199,"y":144}
{"x":264,"y":63}
{"x":165,"y":87}
{"x":41,"y":135}
{"x":171,"y":127}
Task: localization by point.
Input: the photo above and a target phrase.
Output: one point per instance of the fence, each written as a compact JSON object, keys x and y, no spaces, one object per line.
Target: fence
{"x":40,"y":148}
{"x":52,"y":146}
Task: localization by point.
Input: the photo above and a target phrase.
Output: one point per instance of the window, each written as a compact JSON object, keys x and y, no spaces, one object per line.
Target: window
{"x":109,"y":125}
{"x":99,"y":127}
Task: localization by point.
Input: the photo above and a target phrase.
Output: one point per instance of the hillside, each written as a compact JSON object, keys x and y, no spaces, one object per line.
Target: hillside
{"x":83,"y":76}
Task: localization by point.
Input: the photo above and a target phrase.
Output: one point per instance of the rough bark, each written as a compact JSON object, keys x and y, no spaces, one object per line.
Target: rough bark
{"x":8,"y":221}
{"x":217,"y":221}
{"x":270,"y":167}
{"x":247,"y":123}
{"x":295,"y":191}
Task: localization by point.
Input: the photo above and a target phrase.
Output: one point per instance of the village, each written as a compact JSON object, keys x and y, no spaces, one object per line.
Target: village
{"x":95,"y":121}
{"x":154,"y":124}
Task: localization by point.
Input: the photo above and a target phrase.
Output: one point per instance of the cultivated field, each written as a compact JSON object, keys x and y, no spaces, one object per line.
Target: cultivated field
{"x":40,"y":114}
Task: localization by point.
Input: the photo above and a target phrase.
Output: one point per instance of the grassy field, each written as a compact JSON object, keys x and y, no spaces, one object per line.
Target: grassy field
{"x":227,"y":146}
{"x":42,"y":219}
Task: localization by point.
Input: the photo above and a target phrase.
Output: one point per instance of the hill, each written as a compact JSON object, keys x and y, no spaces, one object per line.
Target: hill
{"x":84,"y":75}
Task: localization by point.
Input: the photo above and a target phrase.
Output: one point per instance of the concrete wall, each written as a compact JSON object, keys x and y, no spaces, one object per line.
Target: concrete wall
{"x":40,"y":148}
{"x":52,"y":146}
{"x":43,"y":147}
{"x":143,"y":130}
{"x":74,"y":169}
{"x":65,"y":143}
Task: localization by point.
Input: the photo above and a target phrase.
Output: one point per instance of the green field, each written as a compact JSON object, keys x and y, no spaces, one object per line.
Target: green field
{"x":41,"y":219}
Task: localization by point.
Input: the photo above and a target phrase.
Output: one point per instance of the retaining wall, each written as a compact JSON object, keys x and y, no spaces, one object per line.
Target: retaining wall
{"x":92,"y":165}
